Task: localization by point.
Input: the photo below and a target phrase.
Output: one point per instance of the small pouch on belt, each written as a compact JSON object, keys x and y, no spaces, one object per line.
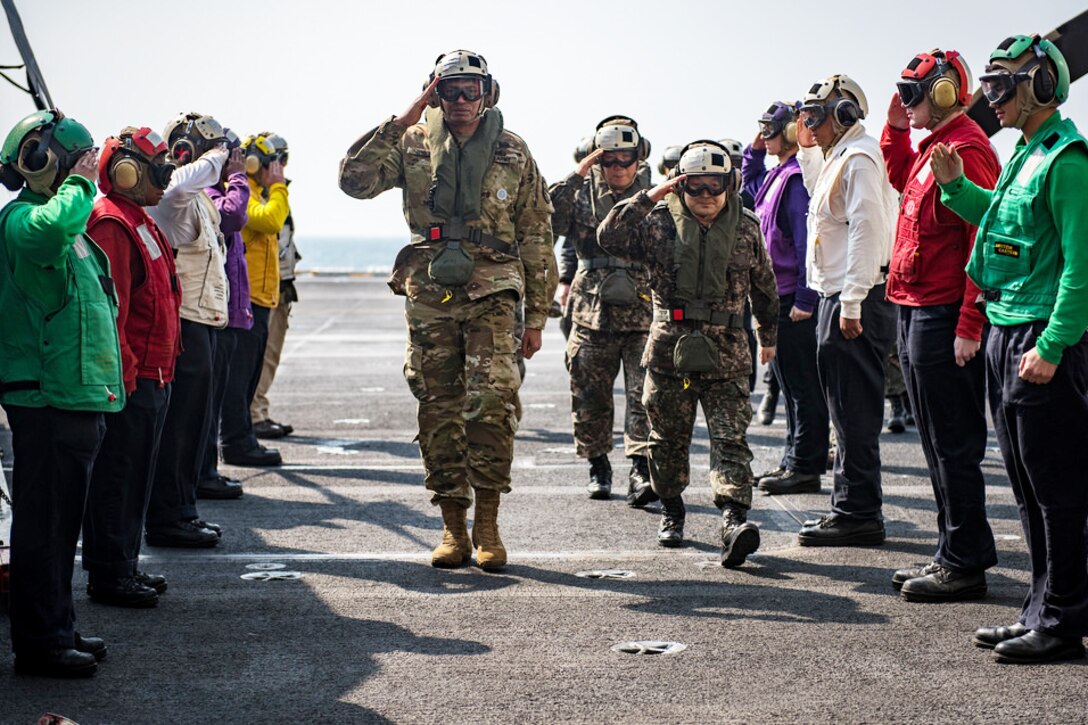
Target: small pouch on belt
{"x":617,"y":288}
{"x":695,"y":353}
{"x":452,"y":266}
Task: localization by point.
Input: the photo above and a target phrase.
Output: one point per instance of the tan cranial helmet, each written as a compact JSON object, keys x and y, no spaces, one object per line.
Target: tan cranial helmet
{"x":620,"y":133}
{"x":839,"y":98}
{"x":701,"y":158}
{"x":465,"y":64}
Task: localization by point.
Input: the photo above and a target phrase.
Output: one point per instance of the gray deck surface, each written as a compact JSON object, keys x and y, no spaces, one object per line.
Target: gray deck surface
{"x":372,"y":633}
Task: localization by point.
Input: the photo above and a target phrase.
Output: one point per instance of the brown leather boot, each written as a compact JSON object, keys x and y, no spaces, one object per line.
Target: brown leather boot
{"x":455,"y":548}
{"x":490,"y":553}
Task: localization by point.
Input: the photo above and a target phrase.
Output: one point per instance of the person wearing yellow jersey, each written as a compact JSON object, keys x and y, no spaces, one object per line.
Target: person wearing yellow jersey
{"x":268,"y":210}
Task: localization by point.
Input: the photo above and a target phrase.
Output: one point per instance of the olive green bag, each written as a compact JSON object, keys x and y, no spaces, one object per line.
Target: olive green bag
{"x":695,"y":353}
{"x":452,"y":266}
{"x":617,"y":288}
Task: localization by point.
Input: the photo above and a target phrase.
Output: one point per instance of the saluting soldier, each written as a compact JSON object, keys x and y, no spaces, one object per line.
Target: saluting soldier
{"x":610,"y":307}
{"x":480,"y":219}
{"x":705,"y":256}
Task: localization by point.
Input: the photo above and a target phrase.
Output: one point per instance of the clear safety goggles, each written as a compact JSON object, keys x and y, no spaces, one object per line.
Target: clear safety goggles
{"x":450,"y":89}
{"x":999,"y":88}
{"x":711,"y":184}
{"x":623,"y":159}
{"x":814,"y":115}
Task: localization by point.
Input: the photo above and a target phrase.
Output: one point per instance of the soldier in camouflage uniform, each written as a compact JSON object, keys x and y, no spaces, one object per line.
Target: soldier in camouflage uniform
{"x":610,"y":308}
{"x":480,"y":219}
{"x":705,"y":255}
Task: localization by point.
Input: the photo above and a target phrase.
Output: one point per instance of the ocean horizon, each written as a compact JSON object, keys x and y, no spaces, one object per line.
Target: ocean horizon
{"x":348,"y":255}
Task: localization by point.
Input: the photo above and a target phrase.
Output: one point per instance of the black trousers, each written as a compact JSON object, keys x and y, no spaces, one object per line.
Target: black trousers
{"x":185,"y":432}
{"x":121,"y":483}
{"x":54,"y":454}
{"x":236,"y":424}
{"x":794,"y":366}
{"x":225,"y":342}
{"x":949,"y":404}
{"x":1041,"y":432}
{"x":852,"y":375}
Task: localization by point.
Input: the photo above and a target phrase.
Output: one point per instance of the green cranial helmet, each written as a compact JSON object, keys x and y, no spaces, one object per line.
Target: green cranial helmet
{"x":41,"y":146}
{"x":1051,"y":88}
{"x":69,"y":134}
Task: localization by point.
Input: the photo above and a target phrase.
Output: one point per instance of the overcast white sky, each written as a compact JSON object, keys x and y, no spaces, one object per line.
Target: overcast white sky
{"x":321,"y":72}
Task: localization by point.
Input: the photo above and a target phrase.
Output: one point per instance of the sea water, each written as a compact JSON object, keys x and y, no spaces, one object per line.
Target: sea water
{"x":348,"y":255}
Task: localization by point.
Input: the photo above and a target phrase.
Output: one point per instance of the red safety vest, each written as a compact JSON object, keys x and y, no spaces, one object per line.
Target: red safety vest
{"x":151,"y":336}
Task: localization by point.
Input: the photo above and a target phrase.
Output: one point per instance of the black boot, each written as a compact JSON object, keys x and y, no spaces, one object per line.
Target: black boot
{"x":768,"y":406}
{"x":671,"y":531}
{"x":600,"y":478}
{"x":639,"y":490}
{"x":898,"y":422}
{"x":910,"y":411}
{"x":739,"y":537}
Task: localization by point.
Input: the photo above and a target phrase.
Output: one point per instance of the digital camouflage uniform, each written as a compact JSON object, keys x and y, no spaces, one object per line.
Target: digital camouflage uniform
{"x":638,"y":229}
{"x":603,"y":335}
{"x":461,"y":362}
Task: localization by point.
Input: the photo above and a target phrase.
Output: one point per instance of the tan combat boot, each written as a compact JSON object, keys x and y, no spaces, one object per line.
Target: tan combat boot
{"x":455,"y":548}
{"x":490,"y":553}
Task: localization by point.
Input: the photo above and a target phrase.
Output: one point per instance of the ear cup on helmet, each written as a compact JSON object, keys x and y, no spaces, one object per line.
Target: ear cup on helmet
{"x":126,"y":175}
{"x":944,"y":93}
{"x":183,"y":151}
{"x":846,"y":112}
{"x":38,"y":157}
{"x":433,"y":101}
{"x":44,"y":173}
{"x":492,"y":94}
{"x":790,"y":132}
{"x":253,"y":165}
{"x":1042,"y":82}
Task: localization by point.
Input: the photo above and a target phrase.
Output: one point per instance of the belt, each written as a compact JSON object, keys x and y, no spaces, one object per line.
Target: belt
{"x":608,"y":262}
{"x":458,"y":231}
{"x":699,"y":313}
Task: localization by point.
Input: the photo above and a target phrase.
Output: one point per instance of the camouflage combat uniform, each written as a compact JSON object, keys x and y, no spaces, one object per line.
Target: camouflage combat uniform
{"x":461,"y":362}
{"x":638,"y":229}
{"x":603,"y":335}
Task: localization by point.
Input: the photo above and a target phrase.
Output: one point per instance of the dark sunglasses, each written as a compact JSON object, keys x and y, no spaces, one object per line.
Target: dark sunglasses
{"x":911,"y":93}
{"x":712,"y":186}
{"x":625,"y":161}
{"x":450,"y":93}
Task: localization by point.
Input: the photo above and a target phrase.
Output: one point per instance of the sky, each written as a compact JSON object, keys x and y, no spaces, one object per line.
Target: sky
{"x":321,"y":72}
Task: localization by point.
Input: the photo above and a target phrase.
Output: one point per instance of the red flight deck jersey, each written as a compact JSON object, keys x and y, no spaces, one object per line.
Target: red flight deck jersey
{"x":148,"y":292}
{"x":933,"y":244}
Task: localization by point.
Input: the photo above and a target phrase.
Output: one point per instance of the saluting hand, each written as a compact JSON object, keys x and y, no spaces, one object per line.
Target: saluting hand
{"x":87,"y":165}
{"x":236,"y":162}
{"x":897,"y":114}
{"x":805,"y":137}
{"x":275,"y":173}
{"x":587,"y":163}
{"x":946,"y":164}
{"x":665,"y":188}
{"x":759,"y":143}
{"x":414,"y":112}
